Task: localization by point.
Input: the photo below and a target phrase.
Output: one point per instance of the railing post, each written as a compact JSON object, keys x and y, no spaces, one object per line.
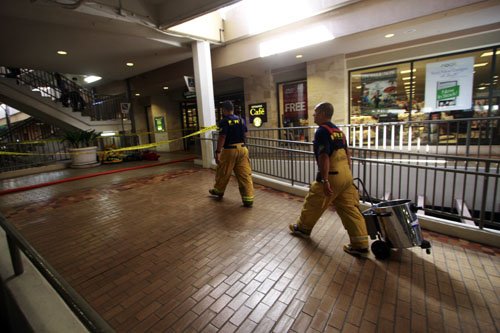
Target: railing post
{"x":467,"y":138}
{"x":292,"y":169}
{"x":485,"y":195}
{"x":15,"y":256}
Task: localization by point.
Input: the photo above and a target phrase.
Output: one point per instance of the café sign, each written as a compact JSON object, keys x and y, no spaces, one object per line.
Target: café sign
{"x":258,"y":114}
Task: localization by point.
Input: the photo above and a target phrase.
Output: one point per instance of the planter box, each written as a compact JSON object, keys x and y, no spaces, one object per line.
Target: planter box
{"x":84,"y":157}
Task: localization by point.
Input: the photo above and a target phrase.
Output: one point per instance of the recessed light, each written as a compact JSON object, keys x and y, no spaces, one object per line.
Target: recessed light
{"x":61,"y":52}
{"x":298,"y":56}
{"x":130,"y":64}
{"x":389,"y":35}
{"x":165,"y":88}
{"x":489,"y":54}
{"x":137,"y":94}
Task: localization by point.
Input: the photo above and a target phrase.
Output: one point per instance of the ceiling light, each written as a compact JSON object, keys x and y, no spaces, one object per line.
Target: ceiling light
{"x":130,"y":64}
{"x":165,"y":88}
{"x":295,"y":39}
{"x":408,"y":71}
{"x":409,"y":78}
{"x":489,"y":54}
{"x":358,"y":87}
{"x":481,"y":64}
{"x":91,"y":78}
{"x":61,"y":52}
{"x":137,"y":94}
{"x":481,"y":88}
{"x":298,"y":56}
{"x":389,"y":35}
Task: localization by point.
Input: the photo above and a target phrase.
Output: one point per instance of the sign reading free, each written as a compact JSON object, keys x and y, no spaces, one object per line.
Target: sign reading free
{"x":258,"y":114}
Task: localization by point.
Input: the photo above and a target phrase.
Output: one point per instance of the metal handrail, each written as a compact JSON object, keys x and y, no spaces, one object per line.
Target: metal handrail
{"x":85,"y":313}
{"x":467,"y":170}
{"x":69,"y":93}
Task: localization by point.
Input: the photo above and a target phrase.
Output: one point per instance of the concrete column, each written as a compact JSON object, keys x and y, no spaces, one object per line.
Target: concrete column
{"x":202,"y":64}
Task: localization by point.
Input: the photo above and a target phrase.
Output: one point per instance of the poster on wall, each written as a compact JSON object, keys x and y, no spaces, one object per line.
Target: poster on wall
{"x":295,"y":103}
{"x":448,"y":85}
{"x":159,"y":124}
{"x":378,"y":91}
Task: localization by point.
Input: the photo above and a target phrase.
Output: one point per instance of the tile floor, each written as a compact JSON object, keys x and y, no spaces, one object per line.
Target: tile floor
{"x":151,"y":251}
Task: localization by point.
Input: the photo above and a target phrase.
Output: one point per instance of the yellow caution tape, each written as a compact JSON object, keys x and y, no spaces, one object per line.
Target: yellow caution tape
{"x":138,"y":147}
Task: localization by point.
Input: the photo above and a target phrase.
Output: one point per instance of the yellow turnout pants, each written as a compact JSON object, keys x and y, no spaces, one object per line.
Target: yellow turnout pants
{"x":345,"y":198}
{"x":237,"y":160}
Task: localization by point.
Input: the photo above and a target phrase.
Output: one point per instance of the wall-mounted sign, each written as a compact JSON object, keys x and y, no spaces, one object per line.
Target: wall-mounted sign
{"x":448,"y":85}
{"x":159,"y":124}
{"x":258,"y":114}
{"x":189,"y":83}
{"x":125,"y":107}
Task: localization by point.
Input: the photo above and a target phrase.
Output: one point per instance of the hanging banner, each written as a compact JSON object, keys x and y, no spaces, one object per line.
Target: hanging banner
{"x":448,"y":85}
{"x":379,"y":91}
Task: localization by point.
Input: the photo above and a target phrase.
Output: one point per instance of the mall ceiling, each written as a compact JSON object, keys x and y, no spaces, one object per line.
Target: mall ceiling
{"x":99,"y":36}
{"x":102,"y":36}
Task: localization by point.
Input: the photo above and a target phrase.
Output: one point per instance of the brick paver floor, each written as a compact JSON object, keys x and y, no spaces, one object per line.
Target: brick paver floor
{"x":155,"y":253}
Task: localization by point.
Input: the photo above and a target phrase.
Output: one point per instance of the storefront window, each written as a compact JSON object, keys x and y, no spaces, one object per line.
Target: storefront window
{"x":293,"y":108}
{"x":449,"y":87}
{"x":446,"y":87}
{"x":381,"y":94}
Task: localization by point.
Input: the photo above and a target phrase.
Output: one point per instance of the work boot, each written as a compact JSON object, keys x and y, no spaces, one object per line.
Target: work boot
{"x":216,"y":193}
{"x":356,"y":252}
{"x":294,"y":228}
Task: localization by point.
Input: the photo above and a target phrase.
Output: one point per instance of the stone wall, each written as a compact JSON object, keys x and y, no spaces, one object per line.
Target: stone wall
{"x":327,"y":81}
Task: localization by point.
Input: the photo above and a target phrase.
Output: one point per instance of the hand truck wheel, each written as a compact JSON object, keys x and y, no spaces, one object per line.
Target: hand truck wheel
{"x":381,"y":249}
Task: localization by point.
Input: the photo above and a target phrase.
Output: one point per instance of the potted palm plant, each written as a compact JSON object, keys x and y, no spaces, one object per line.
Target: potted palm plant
{"x":83,"y":148}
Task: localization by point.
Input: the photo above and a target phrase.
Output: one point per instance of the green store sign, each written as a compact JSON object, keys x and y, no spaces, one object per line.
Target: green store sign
{"x":447,"y":93}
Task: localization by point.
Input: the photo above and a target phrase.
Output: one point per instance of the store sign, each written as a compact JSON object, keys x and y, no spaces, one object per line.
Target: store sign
{"x":295,"y":100}
{"x":448,"y":85}
{"x":258,"y":114}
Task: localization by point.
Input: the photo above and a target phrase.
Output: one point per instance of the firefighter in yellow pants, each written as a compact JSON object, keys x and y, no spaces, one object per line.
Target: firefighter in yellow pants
{"x":232,"y":155}
{"x":334,"y":184}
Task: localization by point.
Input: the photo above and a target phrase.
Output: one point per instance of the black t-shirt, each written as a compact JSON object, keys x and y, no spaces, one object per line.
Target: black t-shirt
{"x":233,"y":128}
{"x":327,"y":141}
